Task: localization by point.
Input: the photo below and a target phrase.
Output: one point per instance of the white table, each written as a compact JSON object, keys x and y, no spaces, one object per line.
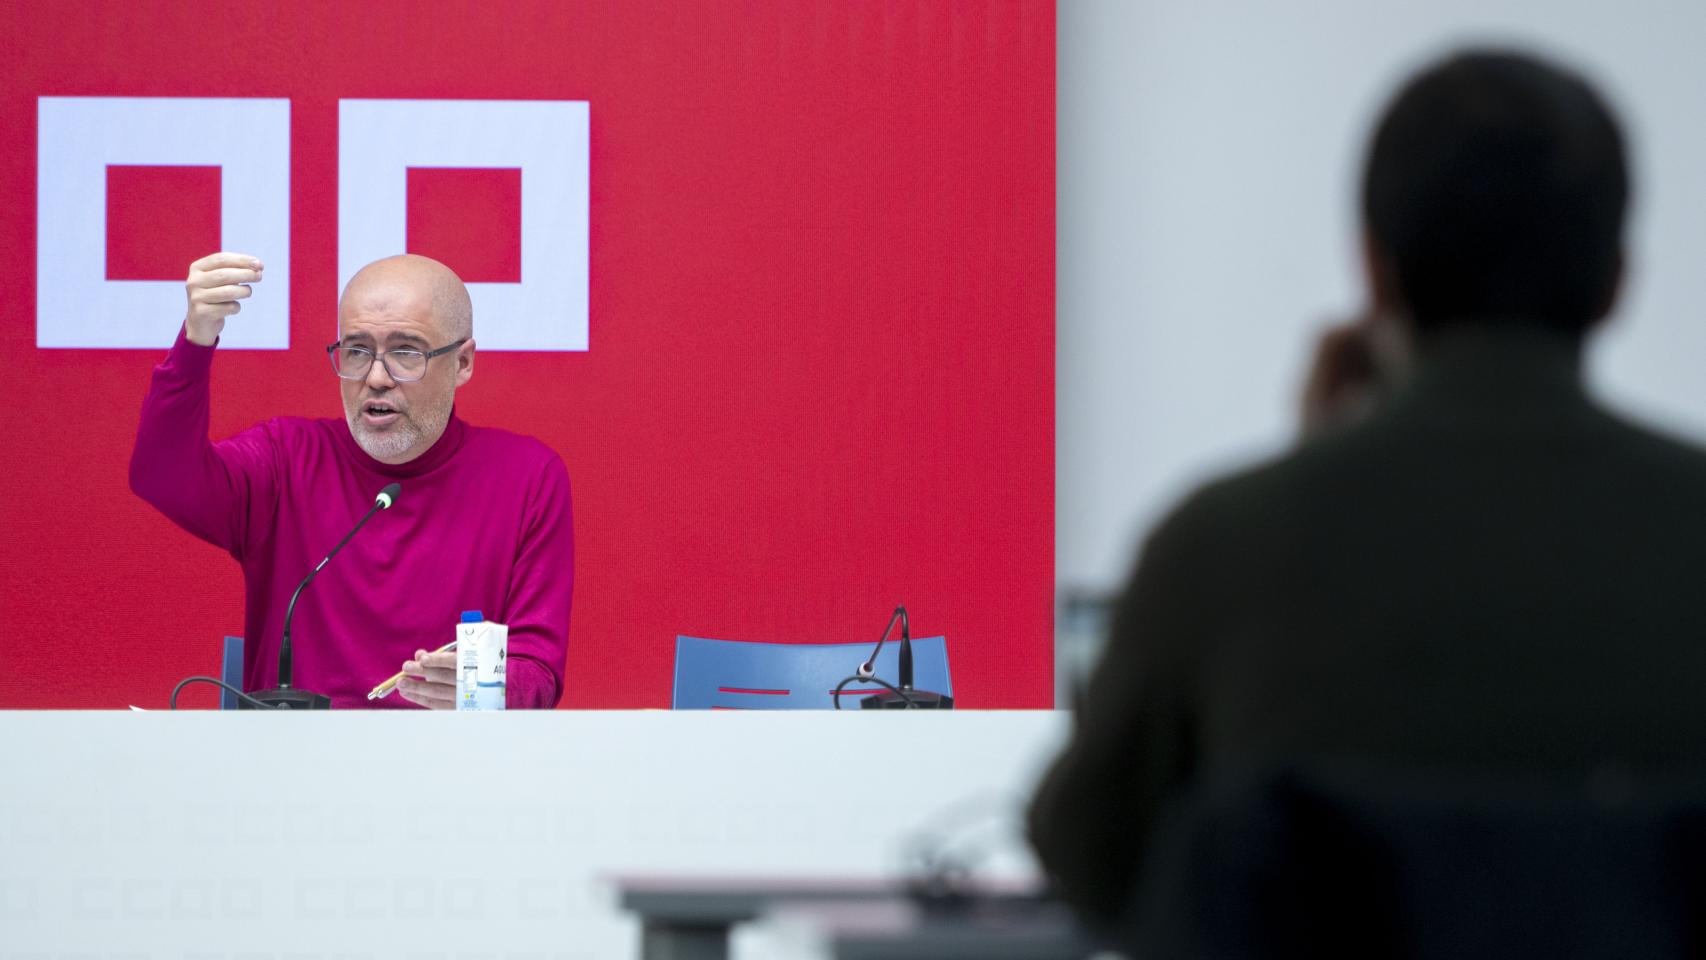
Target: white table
{"x":458,"y":836}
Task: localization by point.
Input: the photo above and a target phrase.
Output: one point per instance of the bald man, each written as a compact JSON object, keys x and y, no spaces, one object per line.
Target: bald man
{"x":483,"y":522}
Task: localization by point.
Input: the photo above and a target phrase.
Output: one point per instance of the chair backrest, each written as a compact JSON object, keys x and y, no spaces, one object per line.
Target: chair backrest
{"x":743,"y":675}
{"x":1401,"y":864}
{"x":231,"y":671}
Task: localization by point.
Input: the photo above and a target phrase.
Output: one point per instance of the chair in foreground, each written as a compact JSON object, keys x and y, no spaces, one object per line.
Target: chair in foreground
{"x":744,"y":675}
{"x":1407,"y":865}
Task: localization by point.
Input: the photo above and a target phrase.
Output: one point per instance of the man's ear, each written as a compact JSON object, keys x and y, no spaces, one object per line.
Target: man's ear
{"x":1388,"y":320}
{"x":1380,"y":277}
{"x":465,"y":363}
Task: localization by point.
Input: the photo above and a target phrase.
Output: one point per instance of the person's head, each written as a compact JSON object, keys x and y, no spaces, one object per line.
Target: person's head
{"x":391,"y":307}
{"x":1495,"y":193}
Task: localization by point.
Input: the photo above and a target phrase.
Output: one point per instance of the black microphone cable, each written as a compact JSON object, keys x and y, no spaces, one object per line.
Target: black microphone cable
{"x":867,"y":672}
{"x":910,"y":705}
{"x":257,"y":704}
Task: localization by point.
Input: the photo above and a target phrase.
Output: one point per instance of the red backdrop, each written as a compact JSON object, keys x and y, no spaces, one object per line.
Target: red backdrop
{"x":822,"y":328}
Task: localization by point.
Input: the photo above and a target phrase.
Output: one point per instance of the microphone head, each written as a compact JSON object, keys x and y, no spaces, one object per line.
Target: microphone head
{"x":388,"y":495}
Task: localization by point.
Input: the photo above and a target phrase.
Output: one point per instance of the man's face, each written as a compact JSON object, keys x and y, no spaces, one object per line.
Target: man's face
{"x":395,"y":421}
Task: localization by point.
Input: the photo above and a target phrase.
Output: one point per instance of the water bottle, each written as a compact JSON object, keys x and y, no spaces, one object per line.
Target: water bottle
{"x":482,"y":649}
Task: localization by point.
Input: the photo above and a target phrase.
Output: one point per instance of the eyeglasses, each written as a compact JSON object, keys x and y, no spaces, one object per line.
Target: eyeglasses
{"x":404,"y":366}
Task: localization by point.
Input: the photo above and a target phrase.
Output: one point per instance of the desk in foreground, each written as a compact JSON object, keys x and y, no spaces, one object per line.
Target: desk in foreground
{"x":691,"y":918}
{"x":386,"y":834}
{"x":903,"y":928}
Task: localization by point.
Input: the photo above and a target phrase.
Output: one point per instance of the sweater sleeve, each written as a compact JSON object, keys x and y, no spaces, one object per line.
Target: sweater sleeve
{"x":541,"y":590}
{"x":224,"y":493}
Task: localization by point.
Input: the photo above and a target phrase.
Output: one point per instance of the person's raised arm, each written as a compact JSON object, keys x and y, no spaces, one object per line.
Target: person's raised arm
{"x":213,"y":491}
{"x":216,"y":287}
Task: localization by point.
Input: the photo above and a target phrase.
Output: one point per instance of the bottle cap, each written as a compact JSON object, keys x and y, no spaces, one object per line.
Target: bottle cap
{"x":472,"y":616}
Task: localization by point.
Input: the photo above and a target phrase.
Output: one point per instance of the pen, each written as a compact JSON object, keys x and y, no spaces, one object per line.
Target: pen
{"x":384,"y":690}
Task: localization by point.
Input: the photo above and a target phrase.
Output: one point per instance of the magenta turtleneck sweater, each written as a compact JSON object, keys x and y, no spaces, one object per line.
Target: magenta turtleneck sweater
{"x":483,"y":523}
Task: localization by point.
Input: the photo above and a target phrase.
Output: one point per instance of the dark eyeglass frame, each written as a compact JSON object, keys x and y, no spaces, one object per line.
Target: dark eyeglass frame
{"x":378,"y":356}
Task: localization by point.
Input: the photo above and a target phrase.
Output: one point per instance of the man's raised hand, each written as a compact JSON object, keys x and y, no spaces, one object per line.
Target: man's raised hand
{"x":216,"y":283}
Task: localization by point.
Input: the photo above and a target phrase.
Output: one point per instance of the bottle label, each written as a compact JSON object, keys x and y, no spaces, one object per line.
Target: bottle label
{"x":482,"y":649}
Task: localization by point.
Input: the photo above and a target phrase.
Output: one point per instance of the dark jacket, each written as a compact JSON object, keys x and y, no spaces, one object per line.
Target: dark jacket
{"x":1492,"y":571}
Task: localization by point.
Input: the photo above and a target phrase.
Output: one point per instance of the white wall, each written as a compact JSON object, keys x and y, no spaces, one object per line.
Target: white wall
{"x":1207,"y":155}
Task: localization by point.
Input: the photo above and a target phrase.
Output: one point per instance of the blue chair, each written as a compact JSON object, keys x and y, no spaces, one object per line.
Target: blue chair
{"x":231,"y":671}
{"x":742,"y":675}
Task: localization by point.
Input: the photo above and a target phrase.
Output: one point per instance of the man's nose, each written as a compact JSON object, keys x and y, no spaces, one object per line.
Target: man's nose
{"x":378,"y":376}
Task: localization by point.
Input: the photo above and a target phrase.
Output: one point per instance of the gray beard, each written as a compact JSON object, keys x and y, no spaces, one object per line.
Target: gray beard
{"x":389,"y":444}
{"x":410,"y":430}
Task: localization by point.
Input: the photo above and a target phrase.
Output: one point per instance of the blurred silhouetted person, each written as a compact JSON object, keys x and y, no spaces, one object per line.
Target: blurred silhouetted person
{"x":1468,"y":563}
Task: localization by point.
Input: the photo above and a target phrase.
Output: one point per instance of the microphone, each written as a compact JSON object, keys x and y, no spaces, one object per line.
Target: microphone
{"x":284,"y":697}
{"x":869,"y":667}
{"x":904,"y":697}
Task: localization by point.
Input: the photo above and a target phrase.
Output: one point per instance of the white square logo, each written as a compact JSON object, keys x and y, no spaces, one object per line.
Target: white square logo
{"x":78,"y":137}
{"x":379,"y":140}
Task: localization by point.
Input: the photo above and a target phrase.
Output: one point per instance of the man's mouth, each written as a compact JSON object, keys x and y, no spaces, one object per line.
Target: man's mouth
{"x":377,"y":413}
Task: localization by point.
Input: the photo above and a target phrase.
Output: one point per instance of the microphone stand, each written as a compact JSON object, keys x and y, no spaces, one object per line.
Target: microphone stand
{"x":905,"y":697}
{"x":284,"y":696}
